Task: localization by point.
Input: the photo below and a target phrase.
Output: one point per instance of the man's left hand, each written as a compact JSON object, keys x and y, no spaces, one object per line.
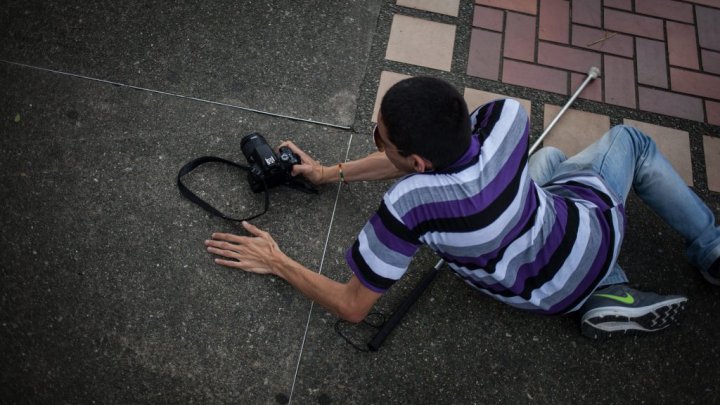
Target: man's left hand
{"x":256,"y":254}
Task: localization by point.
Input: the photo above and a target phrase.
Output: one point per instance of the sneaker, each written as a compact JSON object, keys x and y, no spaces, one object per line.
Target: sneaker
{"x":619,"y":309}
{"x":712,"y":275}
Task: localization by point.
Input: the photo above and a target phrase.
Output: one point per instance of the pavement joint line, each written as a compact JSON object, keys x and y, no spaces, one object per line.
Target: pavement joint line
{"x":322,"y":262}
{"x":165,"y":93}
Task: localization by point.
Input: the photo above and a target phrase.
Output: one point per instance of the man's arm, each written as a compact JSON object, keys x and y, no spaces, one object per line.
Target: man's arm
{"x":260,"y":254}
{"x":375,"y":166}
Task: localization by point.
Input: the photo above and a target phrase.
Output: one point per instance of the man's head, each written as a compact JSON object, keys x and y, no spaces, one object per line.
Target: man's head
{"x":426,"y":117}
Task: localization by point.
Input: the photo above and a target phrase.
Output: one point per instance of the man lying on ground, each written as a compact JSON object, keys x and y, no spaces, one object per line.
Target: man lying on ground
{"x":540,"y":234}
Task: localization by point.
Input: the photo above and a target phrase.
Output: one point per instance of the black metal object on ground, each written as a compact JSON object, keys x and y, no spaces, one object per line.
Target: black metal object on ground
{"x":397,"y":316}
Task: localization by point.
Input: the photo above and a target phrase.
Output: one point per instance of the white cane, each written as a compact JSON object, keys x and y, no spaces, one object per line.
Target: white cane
{"x":594,"y":73}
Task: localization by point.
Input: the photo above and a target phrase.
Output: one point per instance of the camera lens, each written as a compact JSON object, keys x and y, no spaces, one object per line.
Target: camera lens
{"x":250,"y":143}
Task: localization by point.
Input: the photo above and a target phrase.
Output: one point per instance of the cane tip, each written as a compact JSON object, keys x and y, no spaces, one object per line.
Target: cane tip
{"x":594,"y":72}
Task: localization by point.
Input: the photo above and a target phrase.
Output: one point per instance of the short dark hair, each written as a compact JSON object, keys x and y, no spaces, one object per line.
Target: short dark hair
{"x":428,"y":117}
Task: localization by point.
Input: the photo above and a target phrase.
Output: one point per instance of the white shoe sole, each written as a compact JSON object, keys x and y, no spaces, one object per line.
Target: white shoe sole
{"x":605,"y":322}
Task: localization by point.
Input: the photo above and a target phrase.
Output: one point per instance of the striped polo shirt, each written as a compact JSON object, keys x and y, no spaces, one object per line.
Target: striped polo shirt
{"x":542,"y":249}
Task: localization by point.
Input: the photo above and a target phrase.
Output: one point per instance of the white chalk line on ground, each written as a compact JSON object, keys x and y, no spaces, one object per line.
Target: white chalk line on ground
{"x":322,"y":262}
{"x":166,"y":93}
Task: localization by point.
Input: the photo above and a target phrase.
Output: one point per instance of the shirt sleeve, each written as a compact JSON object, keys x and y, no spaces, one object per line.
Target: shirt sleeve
{"x":382,"y":251}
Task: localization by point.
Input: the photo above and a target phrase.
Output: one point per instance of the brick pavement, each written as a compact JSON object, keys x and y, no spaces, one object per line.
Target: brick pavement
{"x":660,"y":56}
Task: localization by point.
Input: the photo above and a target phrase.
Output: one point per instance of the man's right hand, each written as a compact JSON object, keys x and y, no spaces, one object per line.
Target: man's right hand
{"x":309,"y":167}
{"x":375,"y":166}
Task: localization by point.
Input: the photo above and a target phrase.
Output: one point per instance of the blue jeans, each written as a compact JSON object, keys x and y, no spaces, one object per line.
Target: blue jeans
{"x":625,"y":157}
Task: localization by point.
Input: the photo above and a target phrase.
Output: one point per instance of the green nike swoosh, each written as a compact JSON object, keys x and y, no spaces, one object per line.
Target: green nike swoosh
{"x":627,"y":299}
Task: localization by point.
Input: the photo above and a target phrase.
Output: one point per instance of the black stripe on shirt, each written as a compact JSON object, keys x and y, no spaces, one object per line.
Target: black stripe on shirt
{"x":475,"y":221}
{"x":606,"y":198}
{"x":483,"y":131}
{"x":558,"y":257}
{"x":527,"y":227}
{"x":606,"y":263}
{"x":396,"y":227}
{"x":367,"y":273}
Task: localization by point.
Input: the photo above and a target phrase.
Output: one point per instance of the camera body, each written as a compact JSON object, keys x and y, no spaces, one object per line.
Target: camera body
{"x":267,"y":169}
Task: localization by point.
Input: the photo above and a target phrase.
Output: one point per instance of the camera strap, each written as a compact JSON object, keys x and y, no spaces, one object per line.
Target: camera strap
{"x":187,"y":193}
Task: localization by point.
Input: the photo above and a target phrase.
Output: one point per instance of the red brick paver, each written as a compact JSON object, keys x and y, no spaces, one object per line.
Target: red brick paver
{"x":554,"y":17}
{"x":539,"y":77}
{"x":682,"y":46}
{"x":519,"y":37}
{"x":619,"y":81}
{"x":602,"y":41}
{"x":588,"y":12}
{"x":673,"y":104}
{"x":488,"y":18}
{"x":713,"y":112}
{"x":593,"y":91}
{"x":620,"y":4}
{"x":667,"y":9}
{"x":686,"y":81}
{"x":708,"y":27}
{"x":711,"y":61}
{"x":633,"y":24}
{"x":485,"y":50}
{"x":524,"y":6}
{"x":651,"y":62}
{"x":661,"y":56}
{"x":576,"y":60}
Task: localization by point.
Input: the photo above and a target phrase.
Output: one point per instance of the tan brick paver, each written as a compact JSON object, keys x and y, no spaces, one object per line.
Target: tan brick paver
{"x":575,"y":130}
{"x":448,"y":7}
{"x":421,"y":42}
{"x":673,"y":143}
{"x":711,"y":146}
{"x":475,"y":98}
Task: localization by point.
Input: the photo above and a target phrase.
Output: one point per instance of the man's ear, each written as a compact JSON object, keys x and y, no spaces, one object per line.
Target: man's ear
{"x":420,"y":164}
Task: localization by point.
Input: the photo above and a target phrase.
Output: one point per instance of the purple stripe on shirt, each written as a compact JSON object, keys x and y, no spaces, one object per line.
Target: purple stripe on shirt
{"x":551,"y":244}
{"x":531,"y":204}
{"x":471,"y":153}
{"x":586,"y":193}
{"x":488,"y":114}
{"x":472,"y":205}
{"x":389,"y":239}
{"x":598,"y":266}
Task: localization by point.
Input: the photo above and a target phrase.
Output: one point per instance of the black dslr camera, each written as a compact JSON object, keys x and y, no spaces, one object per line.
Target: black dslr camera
{"x":266,"y":168}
